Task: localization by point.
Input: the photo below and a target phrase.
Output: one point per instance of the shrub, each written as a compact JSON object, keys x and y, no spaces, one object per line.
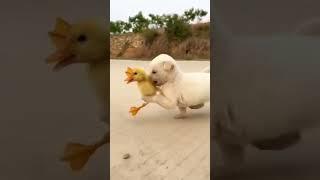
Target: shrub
{"x":119,"y":27}
{"x":150,"y":35}
{"x":156,"y":21}
{"x":201,"y":30}
{"x":139,"y":23}
{"x":192,"y":14}
{"x":177,"y":28}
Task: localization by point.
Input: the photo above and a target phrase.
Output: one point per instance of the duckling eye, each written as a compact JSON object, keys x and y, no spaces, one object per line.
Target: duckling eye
{"x":82,"y":38}
{"x":135,"y":73}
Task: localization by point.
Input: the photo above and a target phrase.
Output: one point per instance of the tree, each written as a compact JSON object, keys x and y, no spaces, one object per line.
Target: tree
{"x":119,"y":27}
{"x":115,"y":28}
{"x":139,"y":23}
{"x":177,"y":27}
{"x":156,"y":20}
{"x":191,"y":14}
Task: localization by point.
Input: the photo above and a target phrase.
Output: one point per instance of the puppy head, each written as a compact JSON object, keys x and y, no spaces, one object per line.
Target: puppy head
{"x":162,"y":69}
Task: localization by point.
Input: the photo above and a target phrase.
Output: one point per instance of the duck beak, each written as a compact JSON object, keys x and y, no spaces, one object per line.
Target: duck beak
{"x":60,"y":37}
{"x":129,"y":74}
{"x":61,"y":59}
{"x":129,"y":80}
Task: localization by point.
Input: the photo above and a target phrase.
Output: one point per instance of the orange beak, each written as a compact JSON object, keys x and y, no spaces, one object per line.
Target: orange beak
{"x":61,"y":58}
{"x":129,"y":74}
{"x":60,"y":37}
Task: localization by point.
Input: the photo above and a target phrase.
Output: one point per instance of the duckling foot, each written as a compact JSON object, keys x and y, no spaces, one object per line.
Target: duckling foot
{"x":77,"y":155}
{"x":135,"y":110}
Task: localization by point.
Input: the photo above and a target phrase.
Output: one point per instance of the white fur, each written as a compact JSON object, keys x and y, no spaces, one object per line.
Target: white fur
{"x":272,"y":85}
{"x":179,"y":89}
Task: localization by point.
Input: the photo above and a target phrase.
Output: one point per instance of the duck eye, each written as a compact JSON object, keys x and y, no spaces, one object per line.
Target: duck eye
{"x":135,"y":73}
{"x":153,"y":72}
{"x":82,"y":38}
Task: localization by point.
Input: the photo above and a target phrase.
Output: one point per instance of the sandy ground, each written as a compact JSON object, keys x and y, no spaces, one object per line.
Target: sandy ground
{"x":160,"y":146}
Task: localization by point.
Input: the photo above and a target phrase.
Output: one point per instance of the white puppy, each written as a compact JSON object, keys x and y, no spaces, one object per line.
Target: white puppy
{"x":266,"y":91}
{"x":179,"y":89}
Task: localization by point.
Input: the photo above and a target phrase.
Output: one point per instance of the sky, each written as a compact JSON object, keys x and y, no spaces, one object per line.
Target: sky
{"x":122,"y":9}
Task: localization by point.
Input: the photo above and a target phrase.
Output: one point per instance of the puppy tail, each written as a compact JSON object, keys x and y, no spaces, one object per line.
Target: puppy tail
{"x":310,"y":28}
{"x":206,"y":70}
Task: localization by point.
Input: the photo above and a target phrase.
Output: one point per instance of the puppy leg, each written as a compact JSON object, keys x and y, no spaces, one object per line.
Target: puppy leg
{"x":233,"y":158}
{"x":161,"y":100}
{"x":182,"y":108}
{"x":182,"y":114}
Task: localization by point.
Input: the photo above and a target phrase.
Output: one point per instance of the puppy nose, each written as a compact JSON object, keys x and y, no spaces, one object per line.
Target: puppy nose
{"x":155,"y":82}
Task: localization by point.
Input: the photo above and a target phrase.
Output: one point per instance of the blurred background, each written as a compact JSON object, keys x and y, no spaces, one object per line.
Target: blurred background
{"x":254,"y":18}
{"x":42,"y":110}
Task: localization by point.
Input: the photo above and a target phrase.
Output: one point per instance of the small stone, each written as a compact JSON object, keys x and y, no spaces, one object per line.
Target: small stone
{"x":126,"y":156}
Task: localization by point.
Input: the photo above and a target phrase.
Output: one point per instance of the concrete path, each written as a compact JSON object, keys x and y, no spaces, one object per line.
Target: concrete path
{"x":160,"y":146}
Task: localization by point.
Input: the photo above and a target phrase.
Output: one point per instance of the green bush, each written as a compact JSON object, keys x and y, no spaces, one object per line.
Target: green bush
{"x":119,"y":27}
{"x":139,"y":23}
{"x":177,"y":28}
{"x":150,"y":35}
{"x":192,"y":14}
{"x":156,"y":21}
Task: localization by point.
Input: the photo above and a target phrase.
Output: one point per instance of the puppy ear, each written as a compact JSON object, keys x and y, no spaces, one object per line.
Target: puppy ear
{"x":168,"y":66}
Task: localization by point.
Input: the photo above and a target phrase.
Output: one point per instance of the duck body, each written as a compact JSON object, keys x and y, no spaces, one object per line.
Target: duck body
{"x":147,"y":88}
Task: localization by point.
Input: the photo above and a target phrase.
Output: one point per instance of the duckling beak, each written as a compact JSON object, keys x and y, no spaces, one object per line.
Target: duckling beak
{"x":61,"y":59}
{"x":60,"y":37}
{"x":129,"y":80}
{"x":129,"y":74}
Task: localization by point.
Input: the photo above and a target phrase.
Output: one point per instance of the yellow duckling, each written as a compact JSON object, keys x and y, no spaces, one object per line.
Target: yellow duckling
{"x":145,"y":85}
{"x":84,"y":42}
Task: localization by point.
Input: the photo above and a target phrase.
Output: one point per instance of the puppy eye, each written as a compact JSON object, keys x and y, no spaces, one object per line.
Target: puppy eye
{"x":153,"y":72}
